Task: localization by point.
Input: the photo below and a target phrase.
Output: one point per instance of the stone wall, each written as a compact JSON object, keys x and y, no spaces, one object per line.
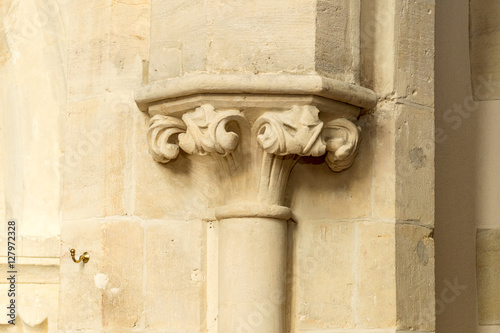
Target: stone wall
{"x":360,"y":243}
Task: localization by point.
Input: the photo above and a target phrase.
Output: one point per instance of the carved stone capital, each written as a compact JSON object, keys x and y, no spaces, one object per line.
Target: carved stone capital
{"x":256,"y":127}
{"x":298,"y":131}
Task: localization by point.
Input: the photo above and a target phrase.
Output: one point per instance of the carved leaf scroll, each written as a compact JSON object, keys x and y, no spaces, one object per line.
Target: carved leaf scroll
{"x":202,"y":131}
{"x":300,"y":132}
{"x":342,"y":141}
{"x":297,"y":131}
{"x":207,"y":131}
{"x":161,"y":137}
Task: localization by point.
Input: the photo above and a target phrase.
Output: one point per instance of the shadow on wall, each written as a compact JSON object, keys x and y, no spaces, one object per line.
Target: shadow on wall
{"x":457,"y":140}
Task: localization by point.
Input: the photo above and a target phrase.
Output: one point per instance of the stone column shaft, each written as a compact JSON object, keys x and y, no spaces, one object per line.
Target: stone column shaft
{"x":252,"y":274}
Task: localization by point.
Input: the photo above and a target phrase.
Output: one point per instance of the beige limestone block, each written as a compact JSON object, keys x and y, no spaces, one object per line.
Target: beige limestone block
{"x":255,"y":37}
{"x":129,"y":45}
{"x":337,"y":39}
{"x":323,"y":275}
{"x":488,"y":276}
{"x":415,"y":278}
{"x":414,"y":165}
{"x":377,"y":45}
{"x":94,"y":162}
{"x":88,"y":48}
{"x":91,"y":293}
{"x":488,"y":329}
{"x":179,"y":32}
{"x":123,"y":268}
{"x":175,"y":275}
{"x":484,"y":47}
{"x":37,"y":247}
{"x":80,"y":298}
{"x":261,"y":36}
{"x":108,"y":42}
{"x":414,"y":51}
{"x":78,"y":311}
{"x":33,"y":246}
{"x":375,"y":293}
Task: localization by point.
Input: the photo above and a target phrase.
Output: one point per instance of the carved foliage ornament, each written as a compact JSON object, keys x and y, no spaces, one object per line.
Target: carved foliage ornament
{"x":200,"y":132}
{"x":298,"y":131}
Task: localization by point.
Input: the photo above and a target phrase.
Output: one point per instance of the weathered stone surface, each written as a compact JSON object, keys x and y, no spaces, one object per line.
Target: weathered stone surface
{"x":377,"y":31}
{"x":484,"y":48}
{"x":414,"y":51}
{"x":94,"y":162}
{"x":256,"y":37}
{"x":375,"y":294}
{"x":323,"y":275}
{"x":34,"y":270}
{"x":414,"y":277}
{"x":179,"y":33}
{"x":337,"y":39}
{"x":123,"y":268}
{"x":383,"y":195}
{"x":414,"y":165}
{"x":175,"y":267}
{"x":488,"y":276}
{"x":107,"y":281}
{"x":78,"y":312}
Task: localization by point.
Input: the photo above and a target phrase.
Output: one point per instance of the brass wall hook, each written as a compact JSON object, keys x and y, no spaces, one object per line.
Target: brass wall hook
{"x":85,"y":257}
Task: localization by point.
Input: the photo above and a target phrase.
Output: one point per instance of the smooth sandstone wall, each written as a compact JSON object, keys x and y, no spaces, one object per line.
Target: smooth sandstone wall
{"x":259,"y":37}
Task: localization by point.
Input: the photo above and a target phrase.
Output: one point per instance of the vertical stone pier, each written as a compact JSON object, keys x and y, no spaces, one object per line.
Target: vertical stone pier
{"x":256,"y":85}
{"x":256,"y":139}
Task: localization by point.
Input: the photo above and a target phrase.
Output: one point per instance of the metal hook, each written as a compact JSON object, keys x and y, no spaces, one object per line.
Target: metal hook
{"x":85,"y":257}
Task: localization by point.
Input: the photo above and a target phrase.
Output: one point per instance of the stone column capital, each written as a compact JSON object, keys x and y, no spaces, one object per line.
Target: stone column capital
{"x":297,"y":131}
{"x":255,"y":126}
